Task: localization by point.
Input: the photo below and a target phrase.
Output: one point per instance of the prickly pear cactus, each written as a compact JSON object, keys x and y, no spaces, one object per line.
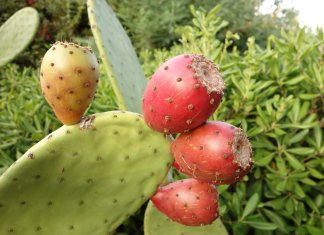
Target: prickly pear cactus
{"x":84,"y":179}
{"x":156,"y":223}
{"x":17,"y":32}
{"x":118,"y":55}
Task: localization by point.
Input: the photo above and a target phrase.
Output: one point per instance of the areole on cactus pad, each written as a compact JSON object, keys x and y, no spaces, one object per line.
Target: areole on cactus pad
{"x":84,"y":179}
{"x":182,"y":94}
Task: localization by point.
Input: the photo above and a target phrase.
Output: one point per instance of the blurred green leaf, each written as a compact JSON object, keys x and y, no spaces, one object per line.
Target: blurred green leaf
{"x":261,"y":225}
{"x":311,"y":204}
{"x":314,"y":231}
{"x":290,"y":206}
{"x":294,"y":162}
{"x":315,"y":173}
{"x":308,"y":181}
{"x":319,"y":200}
{"x":277,"y":219}
{"x":301,"y":151}
{"x":263,"y":161}
{"x":250,"y":205}
{"x":308,"y":96}
{"x":277,"y":203}
{"x":299,"y":190}
{"x":298,"y":137}
{"x":236,"y":207}
{"x":295,"y":80}
{"x":281,"y":166}
{"x":318,"y":133}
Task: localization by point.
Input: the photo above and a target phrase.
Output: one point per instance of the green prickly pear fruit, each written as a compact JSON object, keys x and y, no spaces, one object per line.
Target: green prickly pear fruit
{"x":69,"y":76}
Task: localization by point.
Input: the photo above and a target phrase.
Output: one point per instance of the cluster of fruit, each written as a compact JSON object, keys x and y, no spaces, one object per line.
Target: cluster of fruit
{"x":179,"y":99}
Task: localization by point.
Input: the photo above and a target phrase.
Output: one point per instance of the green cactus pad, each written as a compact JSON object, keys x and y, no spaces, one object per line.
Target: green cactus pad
{"x":85,"y":178}
{"x":156,"y":223}
{"x":17,"y":32}
{"x":118,"y":55}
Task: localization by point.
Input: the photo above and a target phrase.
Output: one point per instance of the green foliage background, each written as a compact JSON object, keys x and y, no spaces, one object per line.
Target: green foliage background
{"x":275,"y":92}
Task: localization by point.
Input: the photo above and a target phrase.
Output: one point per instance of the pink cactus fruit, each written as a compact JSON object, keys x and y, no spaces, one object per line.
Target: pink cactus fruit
{"x":216,"y":152}
{"x":182,"y":94}
{"x":188,"y":202}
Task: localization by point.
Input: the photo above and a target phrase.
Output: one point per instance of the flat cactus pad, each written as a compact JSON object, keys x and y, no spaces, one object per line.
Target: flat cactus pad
{"x":118,"y":56}
{"x":17,"y":32}
{"x":85,"y":178}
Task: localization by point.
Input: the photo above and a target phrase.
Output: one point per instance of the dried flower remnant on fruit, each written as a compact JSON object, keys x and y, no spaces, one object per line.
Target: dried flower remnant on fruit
{"x":207,"y":73}
{"x":242,"y":149}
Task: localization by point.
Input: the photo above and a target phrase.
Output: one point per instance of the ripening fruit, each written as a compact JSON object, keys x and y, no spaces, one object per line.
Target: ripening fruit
{"x":215,"y":152}
{"x":188,"y":202}
{"x":182,"y":94}
{"x":69,"y":76}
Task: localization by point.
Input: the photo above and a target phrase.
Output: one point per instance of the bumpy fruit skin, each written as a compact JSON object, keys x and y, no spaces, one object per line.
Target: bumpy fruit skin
{"x":182,"y":94}
{"x":69,"y":76}
{"x":215,"y":152}
{"x":188,"y":202}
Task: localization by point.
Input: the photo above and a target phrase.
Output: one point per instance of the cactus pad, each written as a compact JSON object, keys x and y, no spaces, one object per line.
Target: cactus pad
{"x":17,"y":32}
{"x":118,"y":55}
{"x":156,"y":223}
{"x":85,"y":178}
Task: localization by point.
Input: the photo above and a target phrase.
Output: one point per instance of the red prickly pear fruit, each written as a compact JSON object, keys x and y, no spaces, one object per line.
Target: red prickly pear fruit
{"x":69,"y":76}
{"x":215,"y":152}
{"x":182,"y":94}
{"x":188,"y":202}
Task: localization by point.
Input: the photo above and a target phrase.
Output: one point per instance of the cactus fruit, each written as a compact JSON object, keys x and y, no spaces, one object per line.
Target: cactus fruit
{"x":215,"y":152}
{"x":17,"y":33}
{"x":157,"y":223}
{"x":69,"y":76}
{"x":188,"y":202}
{"x":182,"y":94}
{"x":85,"y":178}
{"x":118,"y":55}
